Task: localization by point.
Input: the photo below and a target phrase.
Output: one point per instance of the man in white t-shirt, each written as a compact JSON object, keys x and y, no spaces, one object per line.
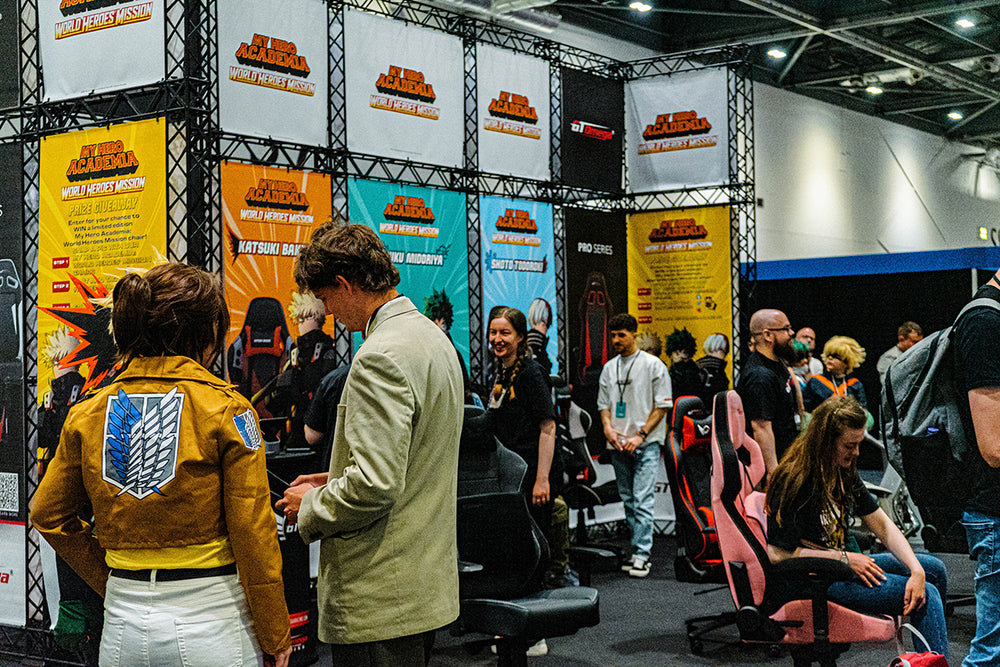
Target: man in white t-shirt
{"x":633,"y":398}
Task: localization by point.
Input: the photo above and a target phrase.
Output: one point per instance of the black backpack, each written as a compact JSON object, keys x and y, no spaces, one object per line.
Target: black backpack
{"x":926,"y":436}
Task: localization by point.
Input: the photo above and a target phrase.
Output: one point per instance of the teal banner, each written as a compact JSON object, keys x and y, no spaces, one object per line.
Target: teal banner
{"x":424,"y":231}
{"x":518,"y":263}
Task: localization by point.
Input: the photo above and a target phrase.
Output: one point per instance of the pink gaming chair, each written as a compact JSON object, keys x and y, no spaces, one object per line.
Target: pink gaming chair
{"x":814,"y":629}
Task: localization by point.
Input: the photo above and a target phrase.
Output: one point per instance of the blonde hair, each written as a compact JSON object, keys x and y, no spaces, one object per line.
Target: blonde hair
{"x":305,"y":306}
{"x":848,"y":349}
{"x":649,"y":342}
{"x":58,"y":345}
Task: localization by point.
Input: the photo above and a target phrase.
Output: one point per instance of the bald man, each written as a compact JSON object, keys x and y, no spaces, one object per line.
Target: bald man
{"x":765,"y":386}
{"x":808,"y":336}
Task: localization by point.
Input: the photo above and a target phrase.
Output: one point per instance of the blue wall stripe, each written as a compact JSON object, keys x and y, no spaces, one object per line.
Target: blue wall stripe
{"x":987,"y":258}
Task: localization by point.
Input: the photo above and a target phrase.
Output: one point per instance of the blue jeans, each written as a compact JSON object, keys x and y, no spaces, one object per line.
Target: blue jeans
{"x":636,"y":478}
{"x":983,"y":534}
{"x":887,"y":597}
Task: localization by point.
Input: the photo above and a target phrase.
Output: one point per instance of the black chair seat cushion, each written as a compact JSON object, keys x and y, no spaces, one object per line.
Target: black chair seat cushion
{"x":549,"y":613}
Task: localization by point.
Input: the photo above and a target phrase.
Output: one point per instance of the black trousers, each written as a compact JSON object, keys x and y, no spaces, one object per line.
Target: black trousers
{"x":409,"y":651}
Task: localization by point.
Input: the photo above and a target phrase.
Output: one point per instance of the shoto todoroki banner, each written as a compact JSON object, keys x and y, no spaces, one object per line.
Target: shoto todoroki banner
{"x":273,"y":68}
{"x":404,"y":90}
{"x":513,"y":92}
{"x":593,"y":125}
{"x":677,"y":129}
{"x":93,"y":46}
{"x":13,"y":471}
{"x":517,"y":259}
{"x":424,"y":230}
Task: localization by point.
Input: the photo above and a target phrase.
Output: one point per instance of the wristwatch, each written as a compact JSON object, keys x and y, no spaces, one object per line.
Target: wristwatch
{"x":844,"y":559}
{"x":642,"y":432}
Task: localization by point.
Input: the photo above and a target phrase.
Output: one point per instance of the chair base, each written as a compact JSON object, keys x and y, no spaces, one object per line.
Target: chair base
{"x":700,"y":626}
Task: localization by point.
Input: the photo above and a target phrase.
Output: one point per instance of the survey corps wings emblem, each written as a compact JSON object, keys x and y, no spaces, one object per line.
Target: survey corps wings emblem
{"x":141,"y":433}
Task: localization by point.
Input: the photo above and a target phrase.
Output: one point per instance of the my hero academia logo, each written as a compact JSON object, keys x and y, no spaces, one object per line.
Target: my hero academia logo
{"x":516,"y":227}
{"x":405,"y":91}
{"x":511,"y":113}
{"x":96,"y":17}
{"x":102,"y":160}
{"x":677,"y":131}
{"x":678,"y":230}
{"x":402,"y":211}
{"x":278,"y":56}
{"x":266,"y":59}
{"x":272,"y":193}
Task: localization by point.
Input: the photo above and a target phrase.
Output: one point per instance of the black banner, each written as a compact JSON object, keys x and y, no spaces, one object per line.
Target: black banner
{"x":13,"y":505}
{"x":593,"y":130}
{"x":10,"y":73}
{"x":596,"y":289}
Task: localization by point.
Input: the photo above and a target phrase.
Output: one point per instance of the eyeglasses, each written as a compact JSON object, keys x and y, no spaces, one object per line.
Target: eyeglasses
{"x":834,"y":355}
{"x":788,"y":328}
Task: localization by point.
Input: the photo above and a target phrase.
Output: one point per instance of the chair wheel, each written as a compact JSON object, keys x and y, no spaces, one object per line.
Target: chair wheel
{"x":697,"y":647}
{"x":774,"y":650}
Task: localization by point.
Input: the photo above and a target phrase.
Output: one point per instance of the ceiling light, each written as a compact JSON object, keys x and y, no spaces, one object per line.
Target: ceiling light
{"x":965,"y":23}
{"x":777,"y":54}
{"x":640,"y":6}
{"x":955,"y":115}
{"x":873,"y":90}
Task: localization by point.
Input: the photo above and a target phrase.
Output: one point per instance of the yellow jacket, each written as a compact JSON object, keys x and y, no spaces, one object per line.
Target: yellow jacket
{"x":201,"y":478}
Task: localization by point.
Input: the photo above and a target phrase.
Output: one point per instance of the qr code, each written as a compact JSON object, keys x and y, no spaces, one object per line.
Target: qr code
{"x":8,"y":492}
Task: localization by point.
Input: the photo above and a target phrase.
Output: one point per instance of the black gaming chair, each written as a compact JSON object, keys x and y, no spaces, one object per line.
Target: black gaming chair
{"x":688,"y":461}
{"x":500,"y":550}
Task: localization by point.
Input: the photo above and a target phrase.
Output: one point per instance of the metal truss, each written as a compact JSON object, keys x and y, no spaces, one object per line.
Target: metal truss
{"x":687,"y":61}
{"x":743,"y":203}
{"x":477,"y":339}
{"x":562,"y":297}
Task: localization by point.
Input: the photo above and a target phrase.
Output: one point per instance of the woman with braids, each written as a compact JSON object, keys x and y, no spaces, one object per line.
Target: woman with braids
{"x":183,"y":546}
{"x":813,"y":495}
{"x":522,"y":411}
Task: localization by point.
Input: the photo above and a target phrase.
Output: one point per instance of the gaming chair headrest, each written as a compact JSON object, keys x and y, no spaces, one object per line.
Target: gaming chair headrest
{"x":692,"y":426}
{"x":729,"y":426}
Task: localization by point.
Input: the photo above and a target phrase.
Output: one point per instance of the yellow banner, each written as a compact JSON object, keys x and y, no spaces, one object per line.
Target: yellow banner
{"x":102,"y":211}
{"x":679,"y":273}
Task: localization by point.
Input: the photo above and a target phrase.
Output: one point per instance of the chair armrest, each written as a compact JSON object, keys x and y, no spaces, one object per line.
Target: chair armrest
{"x":820,"y":570}
{"x":591,"y":554}
{"x":468,"y":567}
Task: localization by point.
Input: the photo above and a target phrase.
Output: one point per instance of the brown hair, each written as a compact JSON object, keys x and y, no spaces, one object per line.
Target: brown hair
{"x":813,"y":456}
{"x":354,"y":252}
{"x":169,"y":310}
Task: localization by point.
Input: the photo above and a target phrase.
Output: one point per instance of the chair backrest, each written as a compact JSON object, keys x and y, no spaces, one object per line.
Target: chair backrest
{"x":495,"y":528}
{"x":688,"y":462}
{"x":737,"y":468}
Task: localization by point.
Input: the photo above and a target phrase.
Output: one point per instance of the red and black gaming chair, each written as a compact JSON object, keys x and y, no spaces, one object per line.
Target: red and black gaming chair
{"x":688,"y":461}
{"x":814,"y":629}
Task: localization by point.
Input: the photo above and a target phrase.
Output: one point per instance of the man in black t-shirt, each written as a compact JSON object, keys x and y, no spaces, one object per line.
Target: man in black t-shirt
{"x":765,"y":386}
{"x":977,"y":355}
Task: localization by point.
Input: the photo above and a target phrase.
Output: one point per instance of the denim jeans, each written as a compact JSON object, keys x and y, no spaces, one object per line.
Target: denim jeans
{"x":983,"y":534}
{"x":191,"y":623}
{"x":887,"y":597}
{"x":636,"y":478}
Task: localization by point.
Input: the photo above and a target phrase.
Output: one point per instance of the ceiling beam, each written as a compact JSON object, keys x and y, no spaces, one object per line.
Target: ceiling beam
{"x":792,"y":59}
{"x":847,"y":73}
{"x":904,"y":57}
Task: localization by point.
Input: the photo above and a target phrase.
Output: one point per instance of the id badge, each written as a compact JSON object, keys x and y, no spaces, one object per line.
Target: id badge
{"x":620,"y":410}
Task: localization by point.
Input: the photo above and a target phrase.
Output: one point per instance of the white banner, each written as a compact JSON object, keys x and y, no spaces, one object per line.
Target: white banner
{"x":404,"y":90}
{"x":676,"y":130}
{"x":13,"y":579}
{"x":273,"y":69}
{"x":513,"y":92}
{"x":93,"y":46}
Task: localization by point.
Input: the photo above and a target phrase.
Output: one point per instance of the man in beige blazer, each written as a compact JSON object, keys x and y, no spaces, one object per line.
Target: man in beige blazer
{"x":385,"y":512}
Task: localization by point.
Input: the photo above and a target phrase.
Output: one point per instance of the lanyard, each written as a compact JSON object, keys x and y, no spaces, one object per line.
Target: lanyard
{"x":624,"y":383}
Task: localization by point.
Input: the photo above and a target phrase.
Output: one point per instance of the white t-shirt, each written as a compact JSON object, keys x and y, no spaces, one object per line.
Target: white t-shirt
{"x":642,"y":382}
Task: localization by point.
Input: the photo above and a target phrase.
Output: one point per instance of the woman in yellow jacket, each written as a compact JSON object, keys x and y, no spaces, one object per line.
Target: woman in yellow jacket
{"x":184,"y":545}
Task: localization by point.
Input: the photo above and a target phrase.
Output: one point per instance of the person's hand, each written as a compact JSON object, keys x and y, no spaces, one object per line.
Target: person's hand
{"x":279,"y":659}
{"x":316,"y":479}
{"x":633,"y":443}
{"x":866,"y":569}
{"x":290,"y":504}
{"x":540,"y":493}
{"x":916,"y":594}
{"x":611,"y":436}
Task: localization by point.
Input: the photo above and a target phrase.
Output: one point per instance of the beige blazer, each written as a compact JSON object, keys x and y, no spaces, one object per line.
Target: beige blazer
{"x":386,"y":518}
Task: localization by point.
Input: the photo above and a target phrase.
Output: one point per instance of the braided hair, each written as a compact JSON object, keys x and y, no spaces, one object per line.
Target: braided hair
{"x":505,"y":377}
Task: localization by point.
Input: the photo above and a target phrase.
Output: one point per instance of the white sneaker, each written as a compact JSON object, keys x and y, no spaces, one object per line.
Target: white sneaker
{"x":640,"y":568}
{"x":629,"y":564}
{"x":538,"y":649}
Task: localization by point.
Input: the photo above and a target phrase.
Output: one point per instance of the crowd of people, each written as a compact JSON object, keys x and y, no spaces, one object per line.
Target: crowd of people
{"x":157,"y":495}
